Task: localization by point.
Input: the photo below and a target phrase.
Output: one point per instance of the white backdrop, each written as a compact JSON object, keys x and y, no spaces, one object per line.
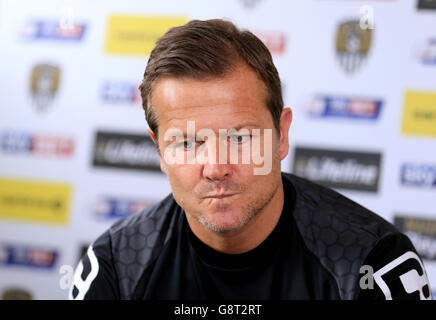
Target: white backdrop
{"x":56,"y":198}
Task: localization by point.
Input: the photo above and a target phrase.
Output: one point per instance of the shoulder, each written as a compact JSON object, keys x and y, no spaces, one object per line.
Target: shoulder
{"x":133,"y":243}
{"x":325,"y":208}
{"x":338,"y":231}
{"x":156,"y":219}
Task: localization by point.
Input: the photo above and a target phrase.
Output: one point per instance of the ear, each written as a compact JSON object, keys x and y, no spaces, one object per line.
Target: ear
{"x":153,"y":137}
{"x":285,"y":123}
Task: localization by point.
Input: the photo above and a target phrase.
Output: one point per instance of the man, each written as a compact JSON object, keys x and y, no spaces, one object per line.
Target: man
{"x":235,"y":228}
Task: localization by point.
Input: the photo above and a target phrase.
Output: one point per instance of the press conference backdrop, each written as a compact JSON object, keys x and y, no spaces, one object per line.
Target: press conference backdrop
{"x":360,"y":77}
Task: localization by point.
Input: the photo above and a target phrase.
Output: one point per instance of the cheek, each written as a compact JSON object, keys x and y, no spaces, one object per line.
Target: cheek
{"x":262,"y":182}
{"x":182,"y":178}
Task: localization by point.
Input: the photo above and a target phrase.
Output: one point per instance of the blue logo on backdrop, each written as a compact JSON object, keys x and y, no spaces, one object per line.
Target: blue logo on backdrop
{"x":16,"y":142}
{"x":53,"y":30}
{"x":344,"y":107}
{"x":121,"y":93}
{"x":117,"y":208}
{"x":36,"y":144}
{"x":418,"y":175}
{"x":427,"y":53}
{"x":20,"y":255}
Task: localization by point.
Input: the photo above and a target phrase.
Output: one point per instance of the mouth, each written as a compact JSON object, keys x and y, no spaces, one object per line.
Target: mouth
{"x":221,"y":196}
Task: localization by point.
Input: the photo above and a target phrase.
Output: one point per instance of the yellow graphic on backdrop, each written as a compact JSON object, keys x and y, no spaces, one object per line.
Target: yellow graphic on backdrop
{"x":419,"y":113}
{"x":137,"y":34}
{"x":34,"y":201}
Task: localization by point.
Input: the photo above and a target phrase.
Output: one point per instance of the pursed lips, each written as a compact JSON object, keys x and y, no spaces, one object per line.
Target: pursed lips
{"x":220,"y":196}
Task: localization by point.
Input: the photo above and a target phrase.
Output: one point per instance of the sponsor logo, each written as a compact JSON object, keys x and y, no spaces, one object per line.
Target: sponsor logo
{"x":34,"y":201}
{"x":47,"y":145}
{"x":421,"y":175}
{"x":422,"y":233}
{"x":44,"y":84}
{"x":339,"y":169}
{"x":53,"y":30}
{"x":27,"y":256}
{"x":121,"y":93}
{"x":117,"y":208}
{"x":426,"y":4}
{"x":427,"y":52}
{"x":412,"y":280}
{"x":16,"y":294}
{"x":419,"y":113}
{"x":275,"y":41}
{"x":352,"y":45}
{"x":136,"y":34}
{"x":126,"y":151}
{"x":344,"y":107}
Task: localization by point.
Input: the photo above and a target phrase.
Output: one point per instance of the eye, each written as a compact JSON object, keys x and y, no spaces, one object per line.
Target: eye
{"x":188,"y":144}
{"x":237,"y":138}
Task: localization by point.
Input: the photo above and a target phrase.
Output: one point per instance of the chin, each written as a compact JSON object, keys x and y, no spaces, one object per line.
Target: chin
{"x":223,"y":228}
{"x":223,"y":221}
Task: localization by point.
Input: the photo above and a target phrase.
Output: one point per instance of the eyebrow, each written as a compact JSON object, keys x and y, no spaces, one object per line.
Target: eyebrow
{"x":237,"y":128}
{"x":246,"y":124}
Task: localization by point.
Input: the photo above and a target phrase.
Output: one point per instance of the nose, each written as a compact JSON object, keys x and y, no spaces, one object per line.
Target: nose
{"x":217,"y":172}
{"x":217,"y":167}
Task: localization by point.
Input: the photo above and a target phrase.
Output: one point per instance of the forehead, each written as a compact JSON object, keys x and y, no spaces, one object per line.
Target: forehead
{"x":223,"y":101}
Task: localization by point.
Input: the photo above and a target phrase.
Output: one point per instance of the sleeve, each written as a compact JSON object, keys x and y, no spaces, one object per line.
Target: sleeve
{"x":393,"y":270}
{"x":95,"y":277}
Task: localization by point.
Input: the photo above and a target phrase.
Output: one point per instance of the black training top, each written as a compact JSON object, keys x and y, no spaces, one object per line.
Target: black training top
{"x":325,"y":246}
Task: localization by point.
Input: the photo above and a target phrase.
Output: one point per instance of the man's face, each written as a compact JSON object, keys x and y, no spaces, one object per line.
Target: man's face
{"x":221,"y":196}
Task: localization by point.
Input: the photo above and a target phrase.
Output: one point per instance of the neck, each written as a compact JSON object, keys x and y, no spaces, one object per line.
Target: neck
{"x":249,"y":236}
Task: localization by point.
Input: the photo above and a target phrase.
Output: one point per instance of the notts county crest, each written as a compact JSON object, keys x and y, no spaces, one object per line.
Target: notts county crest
{"x":352,"y":45}
{"x":44,"y":84}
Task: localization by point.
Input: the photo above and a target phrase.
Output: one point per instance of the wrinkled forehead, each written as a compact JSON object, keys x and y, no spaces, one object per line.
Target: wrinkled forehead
{"x":213,"y":101}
